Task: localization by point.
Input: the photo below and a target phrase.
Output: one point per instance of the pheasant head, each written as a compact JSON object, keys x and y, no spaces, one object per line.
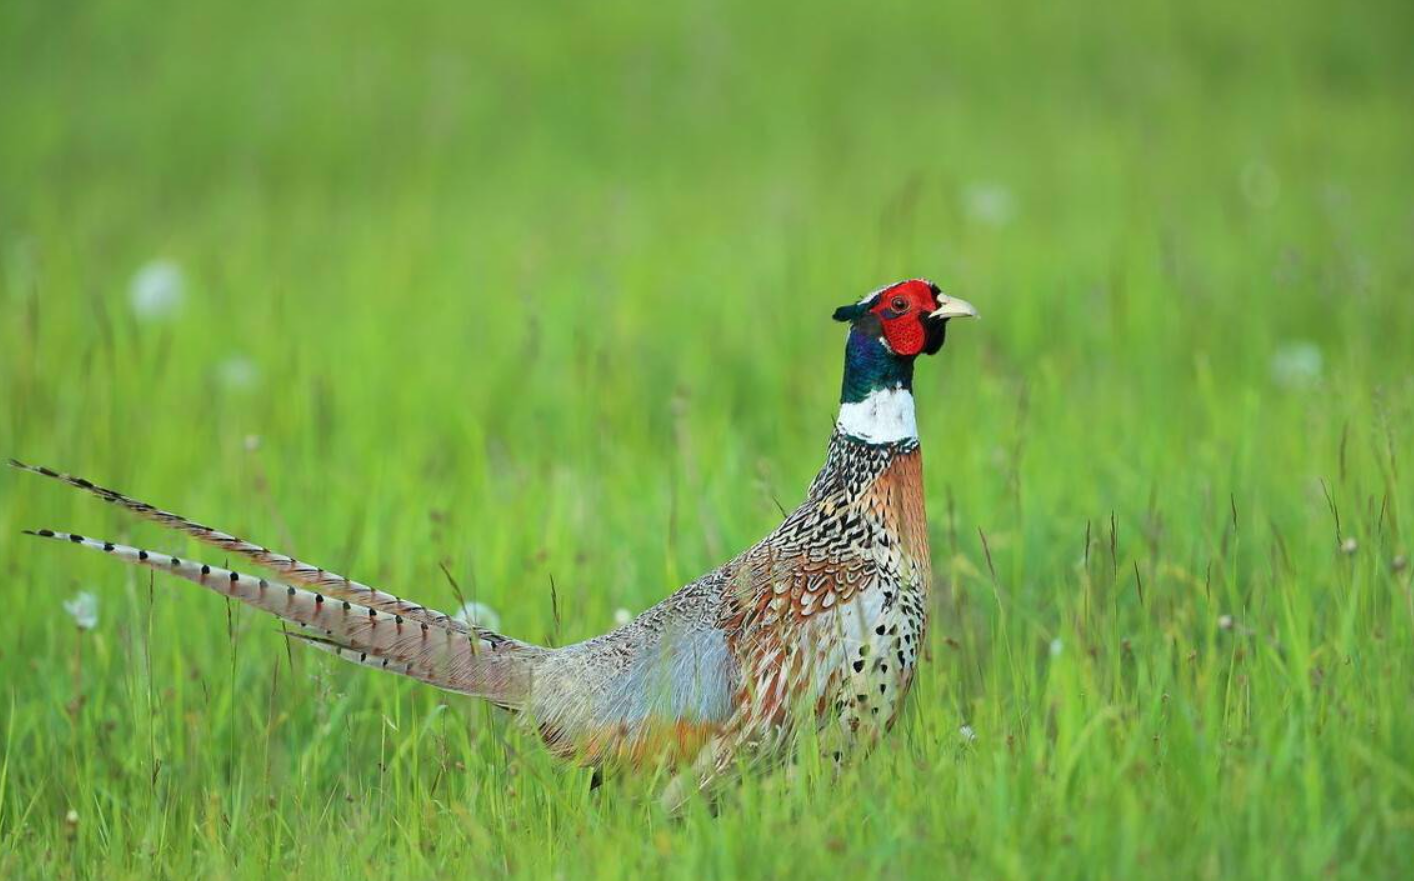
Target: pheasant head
{"x":889,"y":329}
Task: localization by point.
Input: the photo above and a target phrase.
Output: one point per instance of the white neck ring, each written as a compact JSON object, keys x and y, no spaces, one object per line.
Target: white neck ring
{"x":886,"y":416}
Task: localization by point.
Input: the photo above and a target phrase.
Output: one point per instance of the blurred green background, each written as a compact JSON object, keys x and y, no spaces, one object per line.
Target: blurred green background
{"x":543,"y":293}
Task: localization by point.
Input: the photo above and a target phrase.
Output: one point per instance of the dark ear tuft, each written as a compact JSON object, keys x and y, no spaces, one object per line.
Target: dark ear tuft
{"x":851,"y":312}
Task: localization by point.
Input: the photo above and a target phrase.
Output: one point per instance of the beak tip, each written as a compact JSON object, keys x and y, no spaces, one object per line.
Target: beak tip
{"x":955,"y":308}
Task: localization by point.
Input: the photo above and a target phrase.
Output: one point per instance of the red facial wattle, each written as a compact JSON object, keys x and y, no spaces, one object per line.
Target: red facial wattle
{"x":901,"y":310}
{"x":905,"y":335}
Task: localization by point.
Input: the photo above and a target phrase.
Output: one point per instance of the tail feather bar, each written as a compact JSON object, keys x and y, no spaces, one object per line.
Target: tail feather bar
{"x":289,"y":568}
{"x":446,"y":657}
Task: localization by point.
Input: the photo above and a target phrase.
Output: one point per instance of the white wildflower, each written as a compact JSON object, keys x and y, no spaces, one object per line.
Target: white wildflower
{"x":622,"y":617}
{"x":967,"y":733}
{"x":1297,"y":365}
{"x":83,"y":608}
{"x":237,"y":373}
{"x":989,"y":203}
{"x":72,"y":817}
{"x":1349,"y":546}
{"x":157,"y":290}
{"x":1225,"y":622}
{"x":479,"y":614}
{"x":1056,"y":647}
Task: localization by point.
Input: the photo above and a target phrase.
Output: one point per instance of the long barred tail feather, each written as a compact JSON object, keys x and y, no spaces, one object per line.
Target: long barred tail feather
{"x":356,"y":655}
{"x":288,"y":567}
{"x":447,"y":657}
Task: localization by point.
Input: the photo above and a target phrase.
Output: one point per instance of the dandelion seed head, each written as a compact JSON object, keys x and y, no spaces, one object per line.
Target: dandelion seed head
{"x":989,"y":203}
{"x":157,"y":290}
{"x":1297,"y":365}
{"x":479,"y":614}
{"x":83,"y":608}
{"x":237,"y":373}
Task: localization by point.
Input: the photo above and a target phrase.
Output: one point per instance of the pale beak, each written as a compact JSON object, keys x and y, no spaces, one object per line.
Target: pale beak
{"x":952,"y":307}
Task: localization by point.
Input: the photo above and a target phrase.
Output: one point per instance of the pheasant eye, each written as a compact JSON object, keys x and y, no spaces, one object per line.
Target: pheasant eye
{"x":899,"y":304}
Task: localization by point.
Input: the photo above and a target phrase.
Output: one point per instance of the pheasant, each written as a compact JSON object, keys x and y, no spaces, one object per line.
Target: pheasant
{"x":819,"y":625}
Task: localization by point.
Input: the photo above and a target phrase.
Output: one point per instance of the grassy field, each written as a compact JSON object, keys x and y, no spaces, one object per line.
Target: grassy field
{"x":543,"y":296}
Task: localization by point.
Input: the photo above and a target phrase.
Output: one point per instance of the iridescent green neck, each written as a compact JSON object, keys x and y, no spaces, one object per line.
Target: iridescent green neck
{"x":869,"y":366}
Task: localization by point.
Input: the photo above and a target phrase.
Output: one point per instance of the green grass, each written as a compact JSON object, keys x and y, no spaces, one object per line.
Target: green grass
{"x":545,"y":294}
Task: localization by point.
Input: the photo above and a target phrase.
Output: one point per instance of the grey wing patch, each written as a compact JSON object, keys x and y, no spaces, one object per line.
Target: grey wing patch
{"x":683,"y":675}
{"x":671,"y":664}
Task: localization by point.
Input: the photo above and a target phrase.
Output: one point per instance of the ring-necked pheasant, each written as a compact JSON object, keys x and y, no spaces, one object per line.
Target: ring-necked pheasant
{"x":819,"y":624}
